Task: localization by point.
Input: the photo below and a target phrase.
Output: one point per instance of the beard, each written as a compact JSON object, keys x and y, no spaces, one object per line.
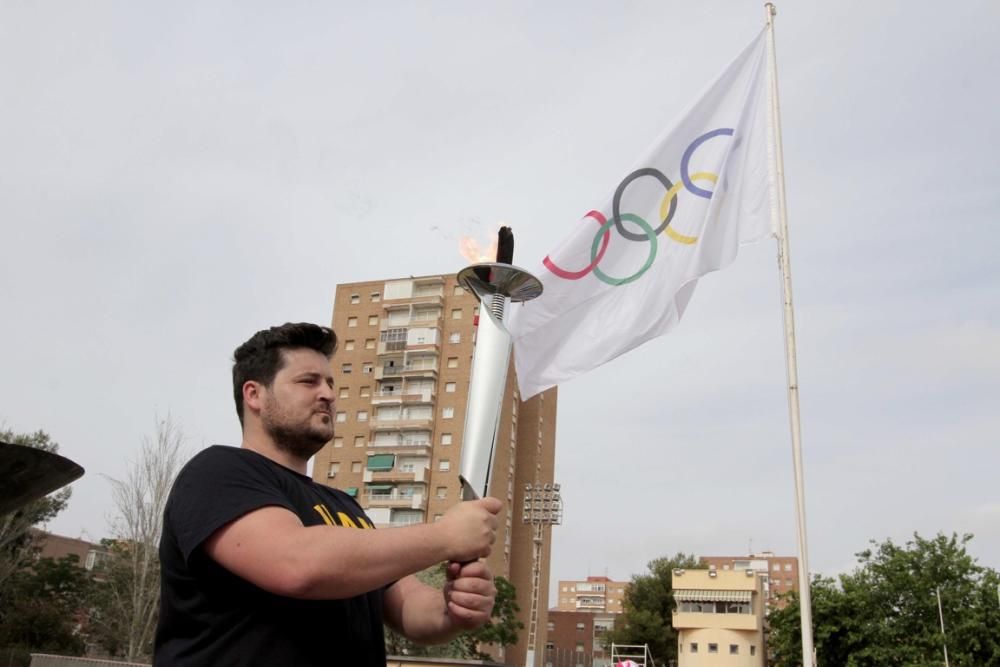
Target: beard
{"x":295,"y":436}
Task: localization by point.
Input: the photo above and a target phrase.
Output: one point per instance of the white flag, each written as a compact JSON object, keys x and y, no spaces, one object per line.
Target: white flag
{"x":626,"y":272}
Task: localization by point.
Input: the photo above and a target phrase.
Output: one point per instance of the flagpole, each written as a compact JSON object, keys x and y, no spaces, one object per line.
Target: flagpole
{"x":784,"y":261}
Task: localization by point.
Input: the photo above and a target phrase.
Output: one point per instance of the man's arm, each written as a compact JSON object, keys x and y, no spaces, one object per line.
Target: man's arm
{"x":271,"y":549}
{"x":430,"y":616}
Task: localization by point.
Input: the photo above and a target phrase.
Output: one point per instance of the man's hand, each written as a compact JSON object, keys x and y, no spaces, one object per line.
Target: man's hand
{"x":469,"y":594}
{"x":470,"y":529}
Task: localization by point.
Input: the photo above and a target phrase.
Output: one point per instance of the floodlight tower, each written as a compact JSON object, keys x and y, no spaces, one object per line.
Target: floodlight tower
{"x":542,"y":507}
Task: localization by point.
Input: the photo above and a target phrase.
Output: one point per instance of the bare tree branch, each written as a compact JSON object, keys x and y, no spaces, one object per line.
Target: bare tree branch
{"x":133,"y":581}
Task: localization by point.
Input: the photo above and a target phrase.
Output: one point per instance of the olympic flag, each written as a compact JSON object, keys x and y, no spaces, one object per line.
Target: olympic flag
{"x":627,"y":271}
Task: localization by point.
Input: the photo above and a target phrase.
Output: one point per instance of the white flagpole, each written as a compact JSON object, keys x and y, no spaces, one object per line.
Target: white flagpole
{"x":784,"y":261}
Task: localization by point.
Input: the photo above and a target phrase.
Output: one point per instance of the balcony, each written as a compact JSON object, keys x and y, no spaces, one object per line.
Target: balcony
{"x":402,"y":396}
{"x":395,"y":499}
{"x":421,"y":319}
{"x":423,"y":424}
{"x":688,"y":619}
{"x":416,"y":445}
{"x":397,"y":475}
{"x":406,"y":370}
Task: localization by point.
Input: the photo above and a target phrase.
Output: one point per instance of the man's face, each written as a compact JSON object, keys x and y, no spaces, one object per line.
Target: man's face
{"x":298,"y":406}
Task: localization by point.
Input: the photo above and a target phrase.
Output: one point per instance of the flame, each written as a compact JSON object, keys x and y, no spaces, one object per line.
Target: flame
{"x":470,"y":249}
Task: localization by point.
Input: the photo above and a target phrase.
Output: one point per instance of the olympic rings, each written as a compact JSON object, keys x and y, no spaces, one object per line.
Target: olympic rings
{"x":667,"y":210}
{"x":686,"y":160}
{"x":576,"y":275}
{"x":650,"y":234}
{"x":617,"y":200}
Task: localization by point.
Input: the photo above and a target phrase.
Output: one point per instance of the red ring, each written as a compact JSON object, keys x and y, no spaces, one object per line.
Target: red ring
{"x":576,"y":275}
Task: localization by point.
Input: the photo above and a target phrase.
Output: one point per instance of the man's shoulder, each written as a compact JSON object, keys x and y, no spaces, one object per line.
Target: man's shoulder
{"x":226,"y":455}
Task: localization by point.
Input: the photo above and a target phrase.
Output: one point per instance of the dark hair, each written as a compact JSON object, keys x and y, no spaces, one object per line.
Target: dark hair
{"x":260,"y":358}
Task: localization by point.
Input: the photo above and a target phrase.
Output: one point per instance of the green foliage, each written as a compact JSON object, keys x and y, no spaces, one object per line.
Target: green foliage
{"x":500,"y":631}
{"x":46,"y":604}
{"x":648,"y":609}
{"x":885,"y":611}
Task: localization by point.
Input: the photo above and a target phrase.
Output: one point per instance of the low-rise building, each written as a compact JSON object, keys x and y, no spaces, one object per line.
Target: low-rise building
{"x":719,"y":618}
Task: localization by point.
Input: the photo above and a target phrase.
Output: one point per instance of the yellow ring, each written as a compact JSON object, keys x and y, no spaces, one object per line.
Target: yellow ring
{"x":665,"y":207}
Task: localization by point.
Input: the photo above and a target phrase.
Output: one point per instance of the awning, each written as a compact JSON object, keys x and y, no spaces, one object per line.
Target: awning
{"x":695,"y":595}
{"x":378,"y":488}
{"x":381,"y":461}
{"x":352,"y":491}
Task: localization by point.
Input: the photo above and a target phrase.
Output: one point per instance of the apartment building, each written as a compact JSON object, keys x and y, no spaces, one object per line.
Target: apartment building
{"x":719,"y":618}
{"x":577,"y":638}
{"x":584,"y":612}
{"x":593,"y":594}
{"x":402,"y":370}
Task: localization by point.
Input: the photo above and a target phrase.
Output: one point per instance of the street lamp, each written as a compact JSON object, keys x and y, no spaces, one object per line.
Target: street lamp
{"x":542,"y":507}
{"x":944,"y":639}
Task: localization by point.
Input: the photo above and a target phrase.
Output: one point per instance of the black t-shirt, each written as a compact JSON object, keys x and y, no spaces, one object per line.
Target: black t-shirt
{"x":211,"y":617}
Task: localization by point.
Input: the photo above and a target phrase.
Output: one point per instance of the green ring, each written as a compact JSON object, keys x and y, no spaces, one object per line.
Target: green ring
{"x":650,"y":233}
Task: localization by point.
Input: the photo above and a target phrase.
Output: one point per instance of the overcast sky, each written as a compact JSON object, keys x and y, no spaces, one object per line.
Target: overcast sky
{"x":175,"y":176}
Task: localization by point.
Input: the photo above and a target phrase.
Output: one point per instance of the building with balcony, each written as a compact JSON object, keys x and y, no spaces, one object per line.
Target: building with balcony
{"x":719,"y":618}
{"x":402,"y":372}
{"x":593,"y":594}
{"x":780,"y":574}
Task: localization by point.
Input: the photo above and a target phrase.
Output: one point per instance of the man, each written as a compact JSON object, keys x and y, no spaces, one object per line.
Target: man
{"x":263,"y":566}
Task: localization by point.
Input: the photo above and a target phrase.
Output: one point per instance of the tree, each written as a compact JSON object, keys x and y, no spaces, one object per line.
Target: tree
{"x":127,"y":601}
{"x":500,"y":631}
{"x":885,"y":612}
{"x":16,"y":540}
{"x":47,"y":603}
{"x":647,"y":616}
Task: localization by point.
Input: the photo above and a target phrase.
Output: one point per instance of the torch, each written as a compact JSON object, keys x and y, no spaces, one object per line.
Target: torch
{"x":493,"y":284}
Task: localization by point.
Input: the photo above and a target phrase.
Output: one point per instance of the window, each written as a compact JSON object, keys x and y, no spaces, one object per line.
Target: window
{"x":352,"y":321}
{"x":551,"y":627}
{"x":694,"y":647}
{"x":359,"y":441}
{"x":734,"y":649}
{"x":345,"y":368}
{"x":777,"y":567}
{"x":452,"y":362}
{"x":456,"y":313}
{"x":366,"y":368}
{"x":338,"y":442}
{"x":455,"y":338}
{"x":448,"y":413}
{"x":362,"y":415}
{"x":355,"y":298}
{"x":788,"y":582}
{"x":449,"y":387}
{"x":334,"y":469}
{"x":372,"y":320}
{"x":458,"y":291}
{"x":369,"y":343}
{"x":788,"y":567}
{"x":348,"y":345}
{"x":442,"y":492}
{"x":446,"y":438}
{"x":753,"y":650}
{"x":444,"y":465}
{"x":437,"y":517}
{"x":356,"y":466}
{"x":579,"y":647}
{"x":376,"y":297}
{"x":366,"y":391}
{"x":341,"y":417}
{"x":344,"y":392}
{"x":713,"y":648}
{"x":580,"y":626}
